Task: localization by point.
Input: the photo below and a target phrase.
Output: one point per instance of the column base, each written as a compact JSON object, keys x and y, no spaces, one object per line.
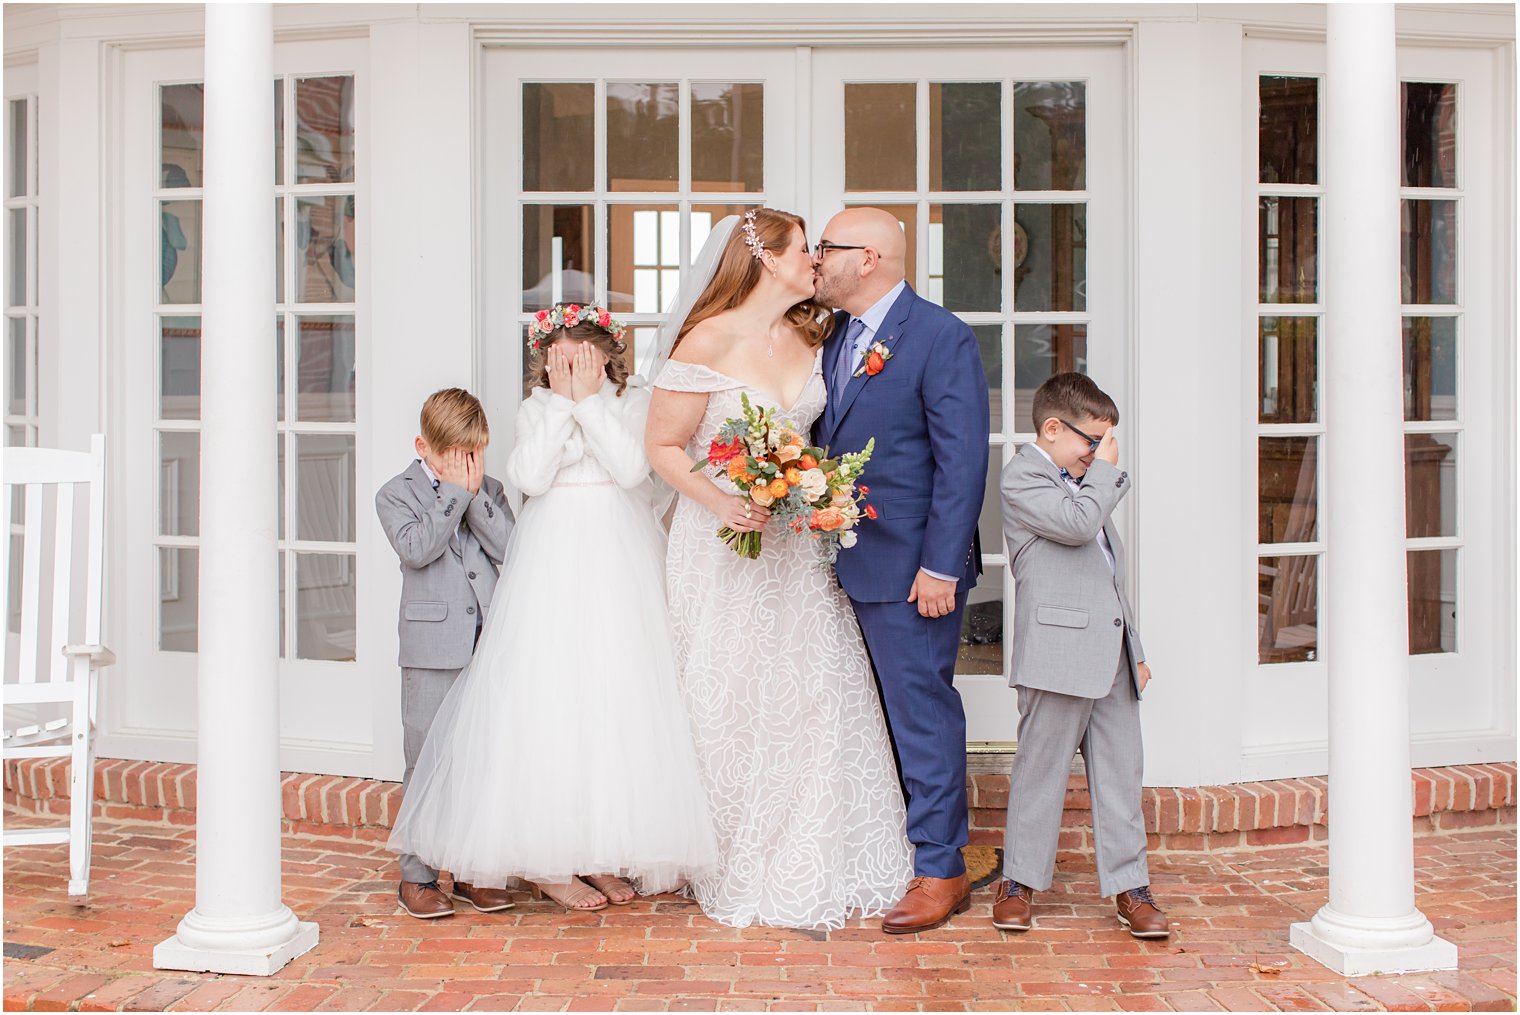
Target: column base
{"x":240,"y":956}
{"x":1360,"y":947}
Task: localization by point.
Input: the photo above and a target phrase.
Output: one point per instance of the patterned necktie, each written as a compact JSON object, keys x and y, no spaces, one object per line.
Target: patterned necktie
{"x":846,"y":364}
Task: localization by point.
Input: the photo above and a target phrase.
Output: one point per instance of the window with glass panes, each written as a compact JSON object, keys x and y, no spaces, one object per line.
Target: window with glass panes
{"x":22,"y":318}
{"x":315,"y":292}
{"x":1430,"y":209}
{"x":622,"y":182}
{"x":1289,"y":423}
{"x":989,"y":181}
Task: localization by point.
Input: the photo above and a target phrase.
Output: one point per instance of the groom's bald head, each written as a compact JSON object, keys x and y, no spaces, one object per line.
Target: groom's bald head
{"x":853,"y":280}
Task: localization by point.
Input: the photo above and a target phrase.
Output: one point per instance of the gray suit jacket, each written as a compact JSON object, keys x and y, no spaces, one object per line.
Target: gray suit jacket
{"x":446,"y":577}
{"x":1070,"y":612}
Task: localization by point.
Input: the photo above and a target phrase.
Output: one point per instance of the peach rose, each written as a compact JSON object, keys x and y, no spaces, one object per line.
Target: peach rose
{"x":828,"y":519}
{"x":788,"y":453}
{"x":761,"y":495}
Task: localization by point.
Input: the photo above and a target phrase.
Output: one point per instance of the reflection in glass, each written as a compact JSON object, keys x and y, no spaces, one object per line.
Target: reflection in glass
{"x":15,"y":278}
{"x":1288,"y":369}
{"x":880,"y":124}
{"x":1288,"y":130}
{"x":181,"y":135}
{"x":1430,"y":484}
{"x":1430,"y":368}
{"x":559,"y":121}
{"x":279,"y":366}
{"x":325,"y":249}
{"x":557,"y":255}
{"x":279,"y":503}
{"x":325,"y":487}
{"x":325,"y":130}
{"x":179,"y":251}
{"x":966,"y":256}
{"x":1050,"y":135}
{"x":643,"y":136}
{"x":1287,"y":246}
{"x":1287,"y":481}
{"x":643,"y":257}
{"x":179,"y":363}
{"x":981,"y":649}
{"x":1428,"y":247}
{"x":1287,"y":609}
{"x":1040,"y":350}
{"x":325,"y":596}
{"x":1050,"y":257}
{"x":704,"y":217}
{"x":178,"y":598}
{"x":279,"y":131}
{"x":1428,"y":127}
{"x":15,"y":354}
{"x":325,"y":369}
{"x":989,"y":340}
{"x":282,"y":555}
{"x":727,"y":137}
{"x":965,"y":136}
{"x":1432,"y":601}
{"x":16,"y":182}
{"x":179,"y":483}
{"x":279,"y":250}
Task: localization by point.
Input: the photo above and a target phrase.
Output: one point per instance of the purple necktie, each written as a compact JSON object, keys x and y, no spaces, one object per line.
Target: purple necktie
{"x":846,"y":364}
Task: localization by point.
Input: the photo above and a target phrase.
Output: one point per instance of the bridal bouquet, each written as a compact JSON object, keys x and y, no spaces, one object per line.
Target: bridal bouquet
{"x":805,"y":489}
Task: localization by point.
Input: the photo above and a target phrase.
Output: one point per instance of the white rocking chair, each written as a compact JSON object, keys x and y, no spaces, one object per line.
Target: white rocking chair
{"x":51,"y":668}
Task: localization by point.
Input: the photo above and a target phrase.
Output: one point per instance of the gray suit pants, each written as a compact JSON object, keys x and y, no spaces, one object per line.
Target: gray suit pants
{"x":1052,"y":727}
{"x":422,"y":691}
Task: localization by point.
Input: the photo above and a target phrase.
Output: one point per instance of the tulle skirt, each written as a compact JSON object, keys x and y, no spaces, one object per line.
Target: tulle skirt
{"x":564,"y":747}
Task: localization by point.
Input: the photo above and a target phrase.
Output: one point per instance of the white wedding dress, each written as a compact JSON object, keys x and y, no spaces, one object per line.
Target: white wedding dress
{"x":788,"y":724}
{"x":563,"y":748}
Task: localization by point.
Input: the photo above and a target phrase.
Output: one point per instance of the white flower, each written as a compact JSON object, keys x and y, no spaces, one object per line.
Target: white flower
{"x":814,"y":484}
{"x":847,"y":538}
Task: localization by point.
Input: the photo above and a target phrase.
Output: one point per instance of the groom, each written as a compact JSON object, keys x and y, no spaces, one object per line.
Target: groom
{"x":909,"y":373}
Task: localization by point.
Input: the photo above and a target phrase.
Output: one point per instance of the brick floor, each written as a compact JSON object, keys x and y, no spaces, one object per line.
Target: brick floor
{"x":1230,"y":950}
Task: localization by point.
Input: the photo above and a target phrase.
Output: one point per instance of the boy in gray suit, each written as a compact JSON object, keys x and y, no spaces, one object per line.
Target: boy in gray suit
{"x":1077,"y":658}
{"x":448,"y":522}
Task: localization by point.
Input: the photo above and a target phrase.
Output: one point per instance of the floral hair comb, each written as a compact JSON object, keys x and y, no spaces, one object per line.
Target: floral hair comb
{"x":751,"y":237}
{"x":568,"y":315}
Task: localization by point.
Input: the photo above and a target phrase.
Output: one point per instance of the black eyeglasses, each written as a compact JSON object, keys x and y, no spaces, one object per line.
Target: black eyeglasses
{"x":1092,"y":442}
{"x":824,"y":246}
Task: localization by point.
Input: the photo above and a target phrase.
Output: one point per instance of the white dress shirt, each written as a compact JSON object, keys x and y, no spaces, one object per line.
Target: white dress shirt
{"x":1075,"y":485}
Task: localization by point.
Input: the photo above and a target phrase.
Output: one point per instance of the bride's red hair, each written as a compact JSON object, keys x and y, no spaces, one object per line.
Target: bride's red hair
{"x":739,"y":272}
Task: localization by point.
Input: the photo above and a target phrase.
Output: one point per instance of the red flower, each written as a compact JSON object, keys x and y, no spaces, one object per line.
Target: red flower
{"x":541,"y":316}
{"x":864,"y":490}
{"x":603,"y":319}
{"x":875,"y":361}
{"x":870,"y":512}
{"x":718,"y":453}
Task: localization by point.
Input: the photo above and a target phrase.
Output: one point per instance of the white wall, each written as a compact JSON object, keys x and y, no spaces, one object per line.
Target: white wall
{"x":1192,"y":361}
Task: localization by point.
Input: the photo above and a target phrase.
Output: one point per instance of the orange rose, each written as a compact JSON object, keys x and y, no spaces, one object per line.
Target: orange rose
{"x":828,"y":519}
{"x":875,"y":361}
{"x":737,"y":467}
{"x":779,"y":487}
{"x":808,"y":462}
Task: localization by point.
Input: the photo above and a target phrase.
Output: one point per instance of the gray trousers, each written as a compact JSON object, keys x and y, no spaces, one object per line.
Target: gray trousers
{"x":422,"y":691}
{"x":1052,"y":727}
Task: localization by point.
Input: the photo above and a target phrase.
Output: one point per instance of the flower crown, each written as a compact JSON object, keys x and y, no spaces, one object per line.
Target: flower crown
{"x":751,"y":237}
{"x":568,"y":315}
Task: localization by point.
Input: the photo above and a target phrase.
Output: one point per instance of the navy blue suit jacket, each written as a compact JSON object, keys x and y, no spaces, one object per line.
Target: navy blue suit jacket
{"x":927,"y":409}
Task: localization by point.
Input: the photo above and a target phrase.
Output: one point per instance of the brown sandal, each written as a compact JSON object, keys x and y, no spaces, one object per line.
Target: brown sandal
{"x":570,"y":894}
{"x":609,"y":883}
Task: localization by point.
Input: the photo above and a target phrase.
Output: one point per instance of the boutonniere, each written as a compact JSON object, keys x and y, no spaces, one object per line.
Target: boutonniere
{"x":876,"y":360}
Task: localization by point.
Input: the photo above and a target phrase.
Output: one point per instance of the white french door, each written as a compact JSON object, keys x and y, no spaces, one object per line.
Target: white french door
{"x":1004,"y":166}
{"x":317,"y":331}
{"x":600,"y":187}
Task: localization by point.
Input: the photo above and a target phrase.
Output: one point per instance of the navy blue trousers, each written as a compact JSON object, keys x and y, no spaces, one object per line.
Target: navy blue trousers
{"x":914,"y":658}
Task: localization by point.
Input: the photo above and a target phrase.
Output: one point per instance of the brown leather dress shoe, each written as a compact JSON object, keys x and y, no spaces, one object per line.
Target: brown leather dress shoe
{"x":927,"y":903}
{"x":1137,"y":911}
{"x":1011,"y":908}
{"x":425,"y":901}
{"x":485,"y":900}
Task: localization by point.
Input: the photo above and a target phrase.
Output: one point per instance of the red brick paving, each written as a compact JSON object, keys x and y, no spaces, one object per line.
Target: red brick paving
{"x":1231,"y":909}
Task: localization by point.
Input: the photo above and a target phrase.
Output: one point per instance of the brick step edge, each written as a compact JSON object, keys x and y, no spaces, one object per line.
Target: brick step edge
{"x":1182,"y":819}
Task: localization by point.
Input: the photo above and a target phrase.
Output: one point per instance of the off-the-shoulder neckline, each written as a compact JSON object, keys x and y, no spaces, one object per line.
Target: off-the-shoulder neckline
{"x":817,"y":358}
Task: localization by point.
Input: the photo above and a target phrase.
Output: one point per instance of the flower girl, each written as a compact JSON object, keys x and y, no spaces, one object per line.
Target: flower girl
{"x":562,"y":755}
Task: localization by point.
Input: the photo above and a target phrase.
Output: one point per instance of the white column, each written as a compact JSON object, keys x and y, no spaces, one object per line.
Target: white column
{"x":239,"y":924}
{"x":1370,"y":924}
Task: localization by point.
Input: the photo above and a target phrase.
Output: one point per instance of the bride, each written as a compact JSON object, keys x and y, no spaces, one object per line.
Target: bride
{"x":788,"y":726}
